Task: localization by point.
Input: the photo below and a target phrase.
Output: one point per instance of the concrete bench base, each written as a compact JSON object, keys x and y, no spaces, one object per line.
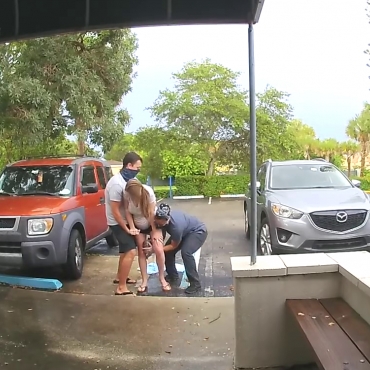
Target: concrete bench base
{"x":265,"y":335}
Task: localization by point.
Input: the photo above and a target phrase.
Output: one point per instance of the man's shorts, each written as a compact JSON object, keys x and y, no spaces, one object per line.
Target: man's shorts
{"x":126,"y":242}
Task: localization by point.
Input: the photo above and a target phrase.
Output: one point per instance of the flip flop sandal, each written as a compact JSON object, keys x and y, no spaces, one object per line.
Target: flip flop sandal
{"x":166,"y":288}
{"x":124,"y":293}
{"x":142,"y":289}
{"x":128,"y":281}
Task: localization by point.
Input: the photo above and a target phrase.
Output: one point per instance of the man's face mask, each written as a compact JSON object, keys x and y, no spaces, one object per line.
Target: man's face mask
{"x":129,"y":174}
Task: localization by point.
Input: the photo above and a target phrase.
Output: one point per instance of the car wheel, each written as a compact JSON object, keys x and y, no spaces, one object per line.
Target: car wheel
{"x":247,"y":228}
{"x":264,"y":238}
{"x":75,"y":258}
{"x":111,"y":240}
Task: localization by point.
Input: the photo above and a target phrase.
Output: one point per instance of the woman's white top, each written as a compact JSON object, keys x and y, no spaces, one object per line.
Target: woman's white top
{"x":139,"y":220}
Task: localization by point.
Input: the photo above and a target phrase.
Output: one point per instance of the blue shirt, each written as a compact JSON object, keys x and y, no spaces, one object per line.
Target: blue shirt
{"x":182,"y":224}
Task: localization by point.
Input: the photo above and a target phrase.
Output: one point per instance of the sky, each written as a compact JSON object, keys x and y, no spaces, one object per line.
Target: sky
{"x":311,"y":49}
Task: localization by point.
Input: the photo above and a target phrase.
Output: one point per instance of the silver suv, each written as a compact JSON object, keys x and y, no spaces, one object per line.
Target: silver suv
{"x":308,"y":206}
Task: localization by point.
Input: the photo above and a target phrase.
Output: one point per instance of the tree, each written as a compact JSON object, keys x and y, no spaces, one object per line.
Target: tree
{"x":125,"y":143}
{"x":164,"y":155}
{"x":359,"y":130}
{"x":68,"y":84}
{"x":328,"y":148}
{"x":304,"y":137}
{"x":205,"y":108}
{"x":274,"y":139}
{"x":349,"y":149}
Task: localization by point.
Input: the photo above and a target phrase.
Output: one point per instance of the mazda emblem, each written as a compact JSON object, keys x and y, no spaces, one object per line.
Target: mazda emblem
{"x":342,"y":217}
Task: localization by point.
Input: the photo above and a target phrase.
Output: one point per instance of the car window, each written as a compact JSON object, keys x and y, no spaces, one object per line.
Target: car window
{"x":108,"y":172}
{"x":101,"y":177}
{"x":307,"y":176}
{"x":88,"y":176}
{"x":261,"y":177}
{"x":23,"y":180}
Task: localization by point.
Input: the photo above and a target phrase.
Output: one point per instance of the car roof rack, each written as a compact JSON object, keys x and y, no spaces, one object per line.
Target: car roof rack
{"x":58,"y":156}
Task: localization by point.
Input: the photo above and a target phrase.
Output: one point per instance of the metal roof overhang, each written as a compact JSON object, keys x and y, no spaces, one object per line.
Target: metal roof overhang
{"x":20,"y":19}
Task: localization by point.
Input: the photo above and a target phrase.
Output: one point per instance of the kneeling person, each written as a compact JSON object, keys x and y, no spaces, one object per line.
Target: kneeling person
{"x":187,"y":234}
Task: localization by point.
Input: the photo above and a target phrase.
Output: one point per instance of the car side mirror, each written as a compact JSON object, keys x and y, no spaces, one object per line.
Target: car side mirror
{"x":258,"y":186}
{"x":356,"y":183}
{"x":90,"y":189}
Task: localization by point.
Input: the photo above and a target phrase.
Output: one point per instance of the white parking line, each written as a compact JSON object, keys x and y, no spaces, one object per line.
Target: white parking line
{"x":208,"y":291}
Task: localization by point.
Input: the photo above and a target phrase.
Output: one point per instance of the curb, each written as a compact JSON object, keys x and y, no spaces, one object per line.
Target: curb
{"x":28,"y":282}
{"x":188,"y":197}
{"x":232,"y":196}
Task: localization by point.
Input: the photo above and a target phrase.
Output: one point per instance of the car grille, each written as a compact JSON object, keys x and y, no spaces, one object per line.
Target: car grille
{"x":328,"y":220}
{"x":7,"y":223}
{"x":10,"y":247}
{"x":339,"y":244}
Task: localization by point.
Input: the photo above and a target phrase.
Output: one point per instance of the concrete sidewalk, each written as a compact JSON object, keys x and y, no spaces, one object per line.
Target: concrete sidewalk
{"x":70,"y":331}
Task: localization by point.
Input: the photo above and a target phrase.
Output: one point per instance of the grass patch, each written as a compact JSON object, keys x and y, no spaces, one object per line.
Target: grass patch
{"x":164,"y":188}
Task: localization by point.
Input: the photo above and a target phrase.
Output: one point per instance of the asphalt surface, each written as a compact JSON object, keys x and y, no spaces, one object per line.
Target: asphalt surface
{"x":225,"y":223}
{"x":57,"y":331}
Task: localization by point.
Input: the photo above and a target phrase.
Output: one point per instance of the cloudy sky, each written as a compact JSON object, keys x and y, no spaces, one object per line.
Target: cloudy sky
{"x":312,"y":49}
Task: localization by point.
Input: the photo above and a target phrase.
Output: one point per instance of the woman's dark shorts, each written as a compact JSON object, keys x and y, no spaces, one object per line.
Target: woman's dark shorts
{"x":126,"y":241}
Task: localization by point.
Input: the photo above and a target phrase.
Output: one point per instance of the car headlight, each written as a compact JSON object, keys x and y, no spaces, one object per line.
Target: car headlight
{"x":40,"y":226}
{"x":285,"y":212}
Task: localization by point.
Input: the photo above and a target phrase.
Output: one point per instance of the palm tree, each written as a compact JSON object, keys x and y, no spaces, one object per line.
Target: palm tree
{"x":359,"y":130}
{"x":327,"y":148}
{"x":349,"y":149}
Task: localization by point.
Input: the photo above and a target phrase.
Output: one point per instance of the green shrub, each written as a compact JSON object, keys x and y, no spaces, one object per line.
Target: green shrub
{"x":141,"y":178}
{"x":163,"y":192}
{"x":211,"y":186}
{"x":190,"y":185}
{"x":215,"y":186}
{"x":365,"y":182}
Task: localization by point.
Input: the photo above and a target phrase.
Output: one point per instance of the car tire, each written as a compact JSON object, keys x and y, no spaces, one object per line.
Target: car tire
{"x":247,"y":228}
{"x":111,"y":240}
{"x":75,"y":257}
{"x":264,"y":239}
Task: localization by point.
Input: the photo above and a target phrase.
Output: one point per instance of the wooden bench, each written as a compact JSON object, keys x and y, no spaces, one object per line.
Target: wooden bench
{"x":338,"y":336}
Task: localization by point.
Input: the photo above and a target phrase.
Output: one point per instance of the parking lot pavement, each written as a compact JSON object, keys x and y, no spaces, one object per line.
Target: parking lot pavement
{"x":225,"y":223}
{"x":57,"y":331}
{"x":226,"y":238}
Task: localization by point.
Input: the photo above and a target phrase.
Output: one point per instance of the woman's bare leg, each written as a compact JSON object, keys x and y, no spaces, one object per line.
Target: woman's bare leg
{"x":140,"y":238}
{"x":157,"y":242}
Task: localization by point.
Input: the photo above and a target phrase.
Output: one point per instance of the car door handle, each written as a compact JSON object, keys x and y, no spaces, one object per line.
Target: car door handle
{"x":102,"y":200}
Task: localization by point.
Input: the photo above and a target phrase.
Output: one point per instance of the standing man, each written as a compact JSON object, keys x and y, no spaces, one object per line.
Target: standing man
{"x":115,"y":212}
{"x":188,"y":234}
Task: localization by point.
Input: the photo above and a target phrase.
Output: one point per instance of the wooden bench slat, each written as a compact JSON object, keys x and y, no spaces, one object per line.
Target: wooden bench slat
{"x":351,"y":322}
{"x":332,"y":347}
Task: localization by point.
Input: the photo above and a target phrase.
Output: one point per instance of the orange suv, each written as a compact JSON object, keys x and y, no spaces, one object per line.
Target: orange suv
{"x":51,"y":211}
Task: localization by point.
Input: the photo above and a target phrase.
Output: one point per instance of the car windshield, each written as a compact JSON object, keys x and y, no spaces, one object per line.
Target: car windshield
{"x":37,"y":180}
{"x":307,"y":176}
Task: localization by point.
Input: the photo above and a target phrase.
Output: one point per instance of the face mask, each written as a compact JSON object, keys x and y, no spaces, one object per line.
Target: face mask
{"x":128,"y":174}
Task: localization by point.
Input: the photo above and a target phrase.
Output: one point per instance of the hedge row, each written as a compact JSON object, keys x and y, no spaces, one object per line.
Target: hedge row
{"x":209,"y":186}
{"x":214,"y":186}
